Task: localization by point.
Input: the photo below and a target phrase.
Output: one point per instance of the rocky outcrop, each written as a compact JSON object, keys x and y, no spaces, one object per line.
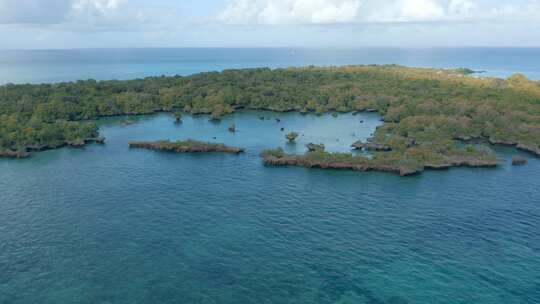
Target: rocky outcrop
{"x":188,"y":146}
{"x":100,"y":140}
{"x":178,"y":117}
{"x":315,"y":148}
{"x":300,"y":161}
{"x":78,"y":143}
{"x":500,"y":142}
{"x":370,"y":146}
{"x":519,"y":161}
{"x":280,"y":159}
{"x":529,"y":148}
{"x":472,"y":162}
{"x":14,"y":154}
{"x":463,"y":161}
{"x":291,"y":137}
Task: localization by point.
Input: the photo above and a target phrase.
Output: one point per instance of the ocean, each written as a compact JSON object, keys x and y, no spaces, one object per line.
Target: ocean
{"x":106,"y":224}
{"x":45,"y":66}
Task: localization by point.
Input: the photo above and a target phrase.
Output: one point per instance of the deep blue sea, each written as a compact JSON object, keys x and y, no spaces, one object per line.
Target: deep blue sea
{"x":36,"y":66}
{"x":106,"y":224}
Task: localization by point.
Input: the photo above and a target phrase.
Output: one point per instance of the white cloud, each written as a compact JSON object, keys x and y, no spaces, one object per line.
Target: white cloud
{"x":56,"y":11}
{"x":529,"y":10}
{"x":278,"y":12}
{"x":406,"y":11}
{"x":103,"y":15}
{"x":291,"y":11}
{"x":420,"y":10}
{"x":103,"y":7}
{"x":461,"y":7}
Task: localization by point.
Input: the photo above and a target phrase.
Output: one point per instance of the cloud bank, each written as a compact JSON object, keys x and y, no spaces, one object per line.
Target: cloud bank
{"x":253,"y":23}
{"x":56,"y":11}
{"x":280,"y":12}
{"x":291,"y":11}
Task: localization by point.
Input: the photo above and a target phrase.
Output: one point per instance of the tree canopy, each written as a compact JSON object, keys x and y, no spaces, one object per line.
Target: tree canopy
{"x":428,"y":107}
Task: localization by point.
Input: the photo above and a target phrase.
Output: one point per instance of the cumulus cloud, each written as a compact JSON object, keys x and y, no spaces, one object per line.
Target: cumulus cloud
{"x":54,"y":11}
{"x":462,"y":7}
{"x":291,"y":11}
{"x":529,"y":10}
{"x":277,"y":12}
{"x":103,"y":7}
{"x":405,"y":11}
{"x":103,"y":15}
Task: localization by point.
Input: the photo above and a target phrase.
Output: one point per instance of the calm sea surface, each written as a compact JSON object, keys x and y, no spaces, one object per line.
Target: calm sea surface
{"x":38,"y":66}
{"x":106,"y":224}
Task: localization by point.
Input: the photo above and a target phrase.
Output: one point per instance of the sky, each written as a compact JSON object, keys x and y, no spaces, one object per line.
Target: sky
{"x":51,"y":24}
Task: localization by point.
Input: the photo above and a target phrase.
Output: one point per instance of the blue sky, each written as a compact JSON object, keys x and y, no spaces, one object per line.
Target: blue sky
{"x":267,"y":23}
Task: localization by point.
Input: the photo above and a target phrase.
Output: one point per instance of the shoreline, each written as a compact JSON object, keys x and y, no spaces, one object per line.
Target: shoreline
{"x":501,"y":143}
{"x":321,"y":160}
{"x":186,"y":146}
{"x":426,"y":113}
{"x":30,"y":150}
{"x":292,"y":160}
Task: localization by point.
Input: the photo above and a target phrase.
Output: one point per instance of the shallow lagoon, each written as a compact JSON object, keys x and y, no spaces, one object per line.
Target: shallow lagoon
{"x":106,"y":224}
{"x":255,"y":130}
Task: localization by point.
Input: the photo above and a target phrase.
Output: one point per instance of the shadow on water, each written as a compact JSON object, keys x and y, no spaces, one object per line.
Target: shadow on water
{"x":340,"y":287}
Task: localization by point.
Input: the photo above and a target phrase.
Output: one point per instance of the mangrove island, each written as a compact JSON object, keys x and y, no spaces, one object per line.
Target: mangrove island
{"x":347,"y":161}
{"x":186,"y":146}
{"x":432,"y":118}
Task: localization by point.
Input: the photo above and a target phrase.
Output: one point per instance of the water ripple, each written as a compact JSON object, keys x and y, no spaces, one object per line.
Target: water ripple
{"x":110,"y":225}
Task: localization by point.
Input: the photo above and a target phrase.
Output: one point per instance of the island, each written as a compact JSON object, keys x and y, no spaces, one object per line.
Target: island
{"x":348,"y":161}
{"x":185,"y":146}
{"x":27,"y":151}
{"x":519,"y":160}
{"x":315,"y":147}
{"x":292,"y":136}
{"x":432,"y":118}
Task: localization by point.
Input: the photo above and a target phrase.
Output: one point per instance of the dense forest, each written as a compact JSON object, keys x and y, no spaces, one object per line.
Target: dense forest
{"x":427,"y":112}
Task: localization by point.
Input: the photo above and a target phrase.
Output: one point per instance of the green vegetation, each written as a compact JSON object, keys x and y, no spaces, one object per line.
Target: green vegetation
{"x":315,"y":147}
{"x":186,"y":146}
{"x":178,"y":117}
{"x":464,"y":71}
{"x":426,"y":111}
{"x":291,"y":137}
{"x":403,"y":165}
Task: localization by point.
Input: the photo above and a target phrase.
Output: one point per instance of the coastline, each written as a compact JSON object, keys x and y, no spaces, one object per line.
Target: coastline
{"x":324,"y":160}
{"x":185,"y":146}
{"x":425,"y":113}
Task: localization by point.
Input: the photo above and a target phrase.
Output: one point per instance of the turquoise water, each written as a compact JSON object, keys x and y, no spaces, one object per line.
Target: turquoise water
{"x":106,"y":224}
{"x":38,"y":66}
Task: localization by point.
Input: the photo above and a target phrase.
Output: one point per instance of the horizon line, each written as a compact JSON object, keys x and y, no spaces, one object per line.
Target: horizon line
{"x":271,"y":47}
